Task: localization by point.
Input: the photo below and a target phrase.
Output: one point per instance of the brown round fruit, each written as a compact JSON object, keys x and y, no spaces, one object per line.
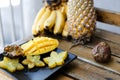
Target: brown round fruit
{"x":13,"y":51}
{"x":102,"y":52}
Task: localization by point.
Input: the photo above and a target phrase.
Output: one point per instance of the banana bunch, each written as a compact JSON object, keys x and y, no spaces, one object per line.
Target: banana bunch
{"x":52,"y":19}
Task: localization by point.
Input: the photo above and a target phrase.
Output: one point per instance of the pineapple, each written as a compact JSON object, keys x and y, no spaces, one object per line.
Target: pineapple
{"x":81,"y":20}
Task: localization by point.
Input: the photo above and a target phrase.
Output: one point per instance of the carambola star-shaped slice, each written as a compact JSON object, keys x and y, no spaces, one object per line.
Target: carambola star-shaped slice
{"x":55,"y":59}
{"x":11,"y":64}
{"x":32,"y":61}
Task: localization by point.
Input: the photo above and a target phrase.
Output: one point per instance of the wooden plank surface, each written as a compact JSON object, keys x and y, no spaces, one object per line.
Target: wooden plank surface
{"x":79,"y":70}
{"x":4,"y":75}
{"x":107,"y":16}
{"x":85,"y":53}
{"x":113,"y":37}
{"x":85,"y":71}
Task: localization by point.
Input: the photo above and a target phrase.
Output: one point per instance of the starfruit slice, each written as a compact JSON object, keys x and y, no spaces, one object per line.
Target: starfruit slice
{"x":55,"y":59}
{"x":32,"y":61}
{"x":11,"y":64}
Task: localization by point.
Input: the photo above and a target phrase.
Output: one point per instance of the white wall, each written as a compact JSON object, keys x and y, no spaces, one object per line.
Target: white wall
{"x":113,"y":5}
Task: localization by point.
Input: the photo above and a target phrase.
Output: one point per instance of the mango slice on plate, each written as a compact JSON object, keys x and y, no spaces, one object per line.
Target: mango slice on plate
{"x":39,"y":45}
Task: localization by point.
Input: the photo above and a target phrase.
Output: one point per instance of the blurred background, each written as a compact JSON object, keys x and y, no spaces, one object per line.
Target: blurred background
{"x":17,"y":16}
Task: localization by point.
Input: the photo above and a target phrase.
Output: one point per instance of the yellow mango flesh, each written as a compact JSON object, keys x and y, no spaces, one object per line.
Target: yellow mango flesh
{"x":39,"y":45}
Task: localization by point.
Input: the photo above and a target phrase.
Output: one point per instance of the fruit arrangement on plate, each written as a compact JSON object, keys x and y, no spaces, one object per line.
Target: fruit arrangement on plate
{"x":31,"y":52}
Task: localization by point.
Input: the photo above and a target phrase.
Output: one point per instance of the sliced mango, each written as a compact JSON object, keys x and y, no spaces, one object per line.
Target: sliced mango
{"x":39,"y":45}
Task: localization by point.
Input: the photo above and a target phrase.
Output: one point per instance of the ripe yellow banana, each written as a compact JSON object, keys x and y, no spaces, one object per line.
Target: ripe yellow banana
{"x":40,"y":25}
{"x":60,"y":22}
{"x":64,"y":10}
{"x":50,"y":22}
{"x":37,"y":18}
{"x":65,"y":30}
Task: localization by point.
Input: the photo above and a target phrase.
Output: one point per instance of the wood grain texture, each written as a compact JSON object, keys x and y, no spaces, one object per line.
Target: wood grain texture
{"x":113,"y":37}
{"x":85,"y":53}
{"x":107,"y":16}
{"x":85,"y":71}
{"x":4,"y":75}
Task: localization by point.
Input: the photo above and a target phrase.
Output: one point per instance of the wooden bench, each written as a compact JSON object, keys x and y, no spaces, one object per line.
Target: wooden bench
{"x":85,"y":67}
